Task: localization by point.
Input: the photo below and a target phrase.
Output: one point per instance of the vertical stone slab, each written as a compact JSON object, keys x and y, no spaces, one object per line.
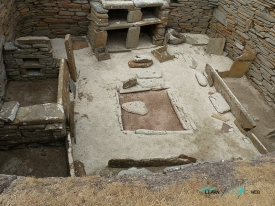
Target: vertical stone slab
{"x":70,"y":55}
{"x":215,"y":46}
{"x":134,"y":16}
{"x":132,"y":37}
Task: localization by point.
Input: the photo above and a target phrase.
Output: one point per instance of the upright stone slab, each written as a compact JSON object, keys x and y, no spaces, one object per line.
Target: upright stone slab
{"x":132,"y":37}
{"x":8,"y":111}
{"x":238,"y":69}
{"x":134,"y":16}
{"x":70,"y":55}
{"x":215,"y":46}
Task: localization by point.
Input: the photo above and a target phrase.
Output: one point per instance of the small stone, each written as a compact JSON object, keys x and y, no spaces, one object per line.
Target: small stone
{"x":219,"y":103}
{"x":129,"y":83}
{"x":133,"y":64}
{"x":142,"y":59}
{"x":226,"y":128}
{"x":8,"y":111}
{"x":201,"y":79}
{"x":149,"y":74}
{"x":136,"y":107}
{"x":246,"y":141}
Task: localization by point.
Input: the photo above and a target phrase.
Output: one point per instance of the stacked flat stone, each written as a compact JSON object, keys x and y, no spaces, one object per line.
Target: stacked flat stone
{"x":53,"y":18}
{"x":130,"y":16}
{"x":190,"y":15}
{"x":30,"y":58}
{"x":249,"y":26}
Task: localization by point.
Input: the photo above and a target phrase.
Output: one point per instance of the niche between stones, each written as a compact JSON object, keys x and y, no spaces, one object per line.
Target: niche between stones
{"x":35,"y":113}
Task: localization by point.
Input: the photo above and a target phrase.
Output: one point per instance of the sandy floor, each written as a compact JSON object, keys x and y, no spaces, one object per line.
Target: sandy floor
{"x":98,"y":134}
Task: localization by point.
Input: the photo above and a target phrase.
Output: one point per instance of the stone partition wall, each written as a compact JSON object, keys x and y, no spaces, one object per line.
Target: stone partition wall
{"x":54,"y":18}
{"x":248,"y":25}
{"x":40,"y":123}
{"x":190,"y":15}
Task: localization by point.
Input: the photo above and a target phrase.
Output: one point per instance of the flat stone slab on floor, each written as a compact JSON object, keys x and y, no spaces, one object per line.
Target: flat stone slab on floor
{"x":149,"y":74}
{"x":196,"y":39}
{"x":136,"y":107}
{"x":190,"y":61}
{"x":151,"y":83}
{"x":219,"y":103}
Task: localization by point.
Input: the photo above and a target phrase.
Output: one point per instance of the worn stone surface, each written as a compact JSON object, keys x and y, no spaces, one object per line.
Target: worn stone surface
{"x":134,"y":16}
{"x":149,"y":74}
{"x":32,"y":40}
{"x":132,"y":37}
{"x":40,"y":114}
{"x":63,"y":96}
{"x":246,"y":56}
{"x":201,"y":79}
{"x":134,"y":64}
{"x":162,"y":54}
{"x":70,"y":56}
{"x":190,"y":61}
{"x":209,"y":79}
{"x":146,"y":3}
{"x":142,"y":59}
{"x":220,"y":16}
{"x":8,"y":111}
{"x":134,"y":171}
{"x":151,"y":83}
{"x":129,"y":83}
{"x":175,"y":37}
{"x":220,"y":117}
{"x":238,"y":69}
{"x":219,"y":103}
{"x":215,"y":46}
{"x":136,"y":107}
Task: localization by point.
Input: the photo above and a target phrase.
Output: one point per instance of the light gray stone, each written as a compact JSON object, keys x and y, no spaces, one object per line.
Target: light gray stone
{"x":149,"y":74}
{"x":147,"y":3}
{"x":134,"y":171}
{"x":132,"y":37}
{"x":151,"y":83}
{"x":201,"y":79}
{"x":220,"y":16}
{"x":136,"y":107}
{"x":219,"y":103}
{"x":142,"y":59}
{"x":134,"y":16}
{"x":215,"y":46}
{"x":8,"y":111}
{"x":190,"y":61}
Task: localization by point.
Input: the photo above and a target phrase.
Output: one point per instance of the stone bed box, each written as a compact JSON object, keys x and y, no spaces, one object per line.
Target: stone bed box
{"x":40,"y":123}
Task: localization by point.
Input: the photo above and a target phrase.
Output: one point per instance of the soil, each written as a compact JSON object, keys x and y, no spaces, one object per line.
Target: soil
{"x":33,"y":92}
{"x":43,"y":161}
{"x":161,"y":116}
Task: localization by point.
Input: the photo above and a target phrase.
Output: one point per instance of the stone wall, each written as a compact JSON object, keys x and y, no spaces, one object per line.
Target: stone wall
{"x":30,"y":58}
{"x":40,"y":123}
{"x":249,"y":26}
{"x":190,"y":15}
{"x":54,"y":18}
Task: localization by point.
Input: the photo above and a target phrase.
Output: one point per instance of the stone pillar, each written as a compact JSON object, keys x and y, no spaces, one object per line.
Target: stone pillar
{"x":132,"y":37}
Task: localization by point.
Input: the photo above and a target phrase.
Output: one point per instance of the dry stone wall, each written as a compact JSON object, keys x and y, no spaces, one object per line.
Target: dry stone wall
{"x":54,"y":18}
{"x":30,"y":58}
{"x":248,"y":25}
{"x":190,"y":15}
